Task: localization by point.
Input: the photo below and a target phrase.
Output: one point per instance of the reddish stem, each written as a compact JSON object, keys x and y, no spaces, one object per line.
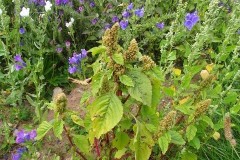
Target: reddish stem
{"x":97,"y":147}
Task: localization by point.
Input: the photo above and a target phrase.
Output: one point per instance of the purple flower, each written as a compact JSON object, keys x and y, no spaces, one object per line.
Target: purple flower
{"x":92,"y":4}
{"x":160,"y":25}
{"x":130,"y":6}
{"x":59,"y":49}
{"x":84,"y":53}
{"x":94,"y":21}
{"x":139,"y":12}
{"x":38,"y":2}
{"x":72,"y":69}
{"x":74,"y":59}
{"x":32,"y":134}
{"x":61,"y":2}
{"x":22,"y":136}
{"x":115,"y":19}
{"x":107,"y":26}
{"x":81,"y":8}
{"x":18,"y":154}
{"x":190,"y":20}
{"x":21,"y":30}
{"x":68,"y":44}
{"x":18,"y":58}
{"x":19,"y":63}
{"x":126,"y":14}
{"x":123,"y":24}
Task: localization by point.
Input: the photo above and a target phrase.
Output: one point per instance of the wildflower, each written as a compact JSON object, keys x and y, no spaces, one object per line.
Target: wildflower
{"x":92,"y":4}
{"x":115,"y":19}
{"x":72,"y":69}
{"x":191,"y":19}
{"x":139,"y":12}
{"x":81,"y":8}
{"x":61,"y":2}
{"x":107,"y":26}
{"x":68,"y":44}
{"x":69,"y":24}
{"x":59,"y":50}
{"x":0,"y":11}
{"x":25,"y":12}
{"x":21,"y":30}
{"x":123,"y":24}
{"x":160,"y":25}
{"x":94,"y":21}
{"x":48,"y":6}
{"x":18,"y":154}
{"x":130,"y":6}
{"x":84,"y":53}
{"x":19,"y":63}
{"x":22,"y":136}
{"x":126,"y":14}
{"x":38,"y":2}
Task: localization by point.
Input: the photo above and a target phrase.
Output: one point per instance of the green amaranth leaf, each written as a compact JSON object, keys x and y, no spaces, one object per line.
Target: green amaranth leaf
{"x":126,"y":80}
{"x":118,"y":58}
{"x":58,"y":128}
{"x":106,"y":111}
{"x":143,"y":142}
{"x":191,"y":132}
{"x":164,"y":141}
{"x":42,"y":130}
{"x":142,"y":90}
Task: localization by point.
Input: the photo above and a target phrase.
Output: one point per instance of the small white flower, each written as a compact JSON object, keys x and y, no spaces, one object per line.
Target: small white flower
{"x":25,"y":12}
{"x":48,"y":6}
{"x":0,"y":11}
{"x":69,"y":24}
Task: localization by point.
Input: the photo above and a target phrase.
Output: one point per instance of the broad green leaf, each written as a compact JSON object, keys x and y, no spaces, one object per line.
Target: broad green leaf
{"x":77,"y":120}
{"x":97,"y":50}
{"x":176,"y":138}
{"x":120,"y":153}
{"x":106,"y":111}
{"x":121,"y":140}
{"x":149,"y":115}
{"x":42,"y":130}
{"x":188,"y":156}
{"x":58,"y":128}
{"x":156,"y":94}
{"x":191,"y":132}
{"x":142,"y":90}
{"x":235,"y":109}
{"x":97,"y":81}
{"x":85,"y":97}
{"x":118,"y":58}
{"x":143,"y":142}
{"x":195,"y":143}
{"x":82,"y":143}
{"x":126,"y":80}
{"x":231,"y":98}
{"x":3,"y":50}
{"x":172,"y":56}
{"x":164,"y":141}
{"x":207,"y":120}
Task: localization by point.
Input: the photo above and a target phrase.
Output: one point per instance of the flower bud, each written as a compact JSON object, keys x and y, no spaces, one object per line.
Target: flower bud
{"x":204,"y":74}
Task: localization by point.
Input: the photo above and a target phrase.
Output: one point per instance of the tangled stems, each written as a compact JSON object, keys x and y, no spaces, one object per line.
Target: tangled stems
{"x":72,"y":144}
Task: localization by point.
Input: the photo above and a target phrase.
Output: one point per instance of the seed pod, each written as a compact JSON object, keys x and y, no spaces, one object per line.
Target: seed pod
{"x":167,"y":121}
{"x":148,"y":63}
{"x":227,"y":127}
{"x":131,"y":54}
{"x":202,"y":107}
{"x":204,"y":74}
{"x":118,"y":69}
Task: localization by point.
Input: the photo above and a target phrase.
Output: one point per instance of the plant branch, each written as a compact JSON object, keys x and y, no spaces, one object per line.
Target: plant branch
{"x":72,"y":144}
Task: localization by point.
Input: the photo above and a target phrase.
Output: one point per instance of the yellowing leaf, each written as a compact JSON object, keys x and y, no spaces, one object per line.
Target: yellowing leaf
{"x":209,"y":67}
{"x":184,"y":100}
{"x":216,"y":135}
{"x":177,"y":71}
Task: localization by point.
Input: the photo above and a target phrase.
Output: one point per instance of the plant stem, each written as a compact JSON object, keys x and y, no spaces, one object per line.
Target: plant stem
{"x":72,"y":144}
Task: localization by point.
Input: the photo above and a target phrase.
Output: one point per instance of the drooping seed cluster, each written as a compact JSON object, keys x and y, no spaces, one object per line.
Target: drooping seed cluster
{"x":131,"y":54}
{"x":168,"y":121}
{"x":110,"y":39}
{"x":202,"y":107}
{"x":148,"y":63}
{"x":60,"y":101}
{"x":228,"y":131}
